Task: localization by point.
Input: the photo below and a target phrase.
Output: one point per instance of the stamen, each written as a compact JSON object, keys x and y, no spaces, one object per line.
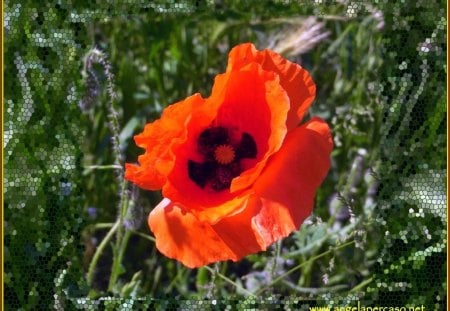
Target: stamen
{"x":224,"y":154}
{"x":221,"y":158}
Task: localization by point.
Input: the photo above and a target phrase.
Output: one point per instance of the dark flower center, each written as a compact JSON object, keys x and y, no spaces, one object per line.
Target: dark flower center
{"x":221,"y":158}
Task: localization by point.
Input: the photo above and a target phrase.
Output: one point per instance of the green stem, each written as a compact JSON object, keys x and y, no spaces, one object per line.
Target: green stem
{"x":178,"y":278}
{"x":123,"y":206}
{"x":101,"y":225}
{"x":103,"y":167}
{"x":124,"y":245}
{"x":314,"y":291}
{"x":212,"y":286}
{"x":143,"y":235}
{"x":106,"y":225}
{"x":117,"y":261}
{"x":259,"y":291}
{"x":306,"y":276}
{"x":319,"y":242}
{"x":229,"y":281}
{"x":88,"y":169}
{"x":361,"y":285}
{"x":275,"y":259}
{"x":99,"y":251}
{"x":121,"y":238}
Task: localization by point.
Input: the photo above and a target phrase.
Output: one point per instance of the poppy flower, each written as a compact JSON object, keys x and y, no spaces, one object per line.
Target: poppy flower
{"x":236,"y":170}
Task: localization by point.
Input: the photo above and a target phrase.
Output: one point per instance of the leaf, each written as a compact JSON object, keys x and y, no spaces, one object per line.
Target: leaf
{"x":131,"y":288}
{"x":128,"y":131}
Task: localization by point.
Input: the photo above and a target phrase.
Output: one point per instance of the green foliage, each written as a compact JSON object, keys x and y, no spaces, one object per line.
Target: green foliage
{"x":412,"y":197}
{"x":82,"y":79}
{"x":42,"y":191}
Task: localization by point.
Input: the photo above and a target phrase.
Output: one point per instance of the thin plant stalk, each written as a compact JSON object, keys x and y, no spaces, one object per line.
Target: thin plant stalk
{"x":121,"y":241}
{"x":121,"y":238}
{"x":281,"y":277}
{"x":99,"y":251}
{"x":277,"y":254}
{"x":212,"y":286}
{"x":229,"y":281}
{"x":117,"y":261}
{"x":107,"y":225}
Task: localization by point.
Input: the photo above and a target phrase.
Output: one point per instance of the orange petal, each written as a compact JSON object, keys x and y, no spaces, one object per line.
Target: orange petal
{"x":183,"y":237}
{"x":288,"y":184}
{"x":296,"y":81}
{"x":157,"y":139}
{"x":238,"y":232}
{"x":260,"y":223}
{"x":146,"y":177}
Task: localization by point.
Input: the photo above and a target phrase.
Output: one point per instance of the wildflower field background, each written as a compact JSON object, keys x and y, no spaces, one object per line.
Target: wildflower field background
{"x":83,"y":77}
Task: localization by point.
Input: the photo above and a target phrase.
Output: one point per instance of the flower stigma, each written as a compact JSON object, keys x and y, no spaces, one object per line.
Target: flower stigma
{"x":224,"y":154}
{"x":221,"y":158}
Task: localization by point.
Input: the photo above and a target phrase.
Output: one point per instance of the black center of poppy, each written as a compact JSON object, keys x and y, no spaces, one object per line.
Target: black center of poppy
{"x":221,"y":158}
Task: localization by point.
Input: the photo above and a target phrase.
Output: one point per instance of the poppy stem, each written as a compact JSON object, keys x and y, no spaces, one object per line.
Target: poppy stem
{"x":281,"y":277}
{"x":277,"y":253}
{"x":314,"y":291}
{"x":100,"y":57}
{"x":212,"y":285}
{"x":361,"y":285}
{"x":121,"y":237}
{"x":107,"y":225}
{"x":99,"y":251}
{"x":100,"y":225}
{"x":88,"y":169}
{"x":116,"y":269}
{"x":230,"y":281}
{"x":144,"y":236}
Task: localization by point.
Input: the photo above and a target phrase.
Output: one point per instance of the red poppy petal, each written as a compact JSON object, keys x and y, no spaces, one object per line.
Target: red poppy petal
{"x":288,"y":184}
{"x":146,"y":177}
{"x":180,"y":188}
{"x":296,"y":81}
{"x":285,"y":190}
{"x":183,"y":237}
{"x":255,"y":103}
{"x":250,"y":100}
{"x":238,"y":231}
{"x":284,"y":198}
{"x":256,"y":227}
{"x":158,"y":138}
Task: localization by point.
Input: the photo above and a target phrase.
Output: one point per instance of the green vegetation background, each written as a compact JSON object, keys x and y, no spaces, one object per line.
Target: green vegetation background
{"x":378,"y":231}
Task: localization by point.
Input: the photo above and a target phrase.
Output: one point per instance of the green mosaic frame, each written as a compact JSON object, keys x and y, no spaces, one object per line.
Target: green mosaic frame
{"x":63,"y":99}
